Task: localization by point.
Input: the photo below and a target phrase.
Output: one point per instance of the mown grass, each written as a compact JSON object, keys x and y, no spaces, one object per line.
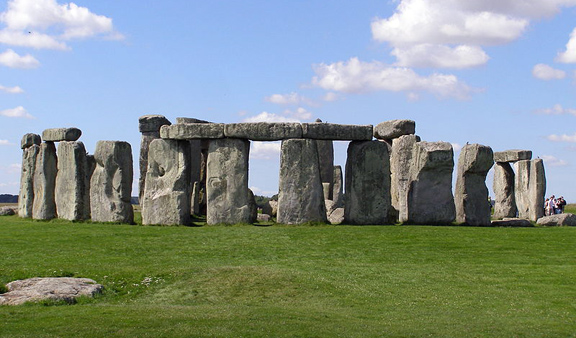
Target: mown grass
{"x":295,"y":281}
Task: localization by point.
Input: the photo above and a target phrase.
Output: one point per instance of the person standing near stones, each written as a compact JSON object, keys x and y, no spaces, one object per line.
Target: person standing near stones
{"x":551,"y":206}
{"x":561,"y":203}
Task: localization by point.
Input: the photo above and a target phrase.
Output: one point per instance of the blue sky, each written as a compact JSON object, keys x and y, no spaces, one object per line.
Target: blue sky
{"x":495,"y":72}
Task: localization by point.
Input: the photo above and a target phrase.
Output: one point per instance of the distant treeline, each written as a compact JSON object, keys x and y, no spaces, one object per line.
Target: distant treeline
{"x":6,"y":198}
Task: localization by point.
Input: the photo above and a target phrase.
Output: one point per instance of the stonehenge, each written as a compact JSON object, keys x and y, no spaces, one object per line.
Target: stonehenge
{"x":195,"y":168}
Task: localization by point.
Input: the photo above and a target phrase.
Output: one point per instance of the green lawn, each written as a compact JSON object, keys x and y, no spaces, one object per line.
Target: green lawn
{"x":295,"y":281}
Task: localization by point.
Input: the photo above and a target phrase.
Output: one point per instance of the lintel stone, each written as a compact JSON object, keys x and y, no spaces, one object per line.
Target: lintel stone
{"x":393,"y":129}
{"x":263,"y":131}
{"x":332,"y":131}
{"x":512,"y":155}
{"x":152,"y":123}
{"x":188,"y":131}
{"x":182,"y":120}
{"x":29,"y":140}
{"x":61,"y":134}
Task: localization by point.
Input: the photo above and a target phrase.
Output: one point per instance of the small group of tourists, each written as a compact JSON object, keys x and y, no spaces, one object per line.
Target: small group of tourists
{"x":554,"y":205}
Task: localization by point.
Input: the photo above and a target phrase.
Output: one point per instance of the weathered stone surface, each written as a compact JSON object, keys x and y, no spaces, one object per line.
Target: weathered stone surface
{"x":90,"y":167}
{"x":530,"y":188}
{"x":29,"y":140}
{"x":301,"y":197}
{"x":471,"y":195}
{"x":368,"y":184}
{"x":111,"y":183}
{"x":332,"y":131}
{"x":263,"y":131}
{"x":71,"y":195}
{"x":228,"y":197}
{"x":61,"y":134}
{"x":400,"y":162}
{"x":188,"y":131}
{"x":326,"y":191}
{"x":195,"y":199}
{"x":558,"y":220}
{"x":263,"y":218}
{"x":512,"y":155}
{"x":44,"y":182}
{"x":503,"y":186}
{"x":152,"y":123}
{"x":270,"y":208}
{"x":52,"y":288}
{"x":26,"y":195}
{"x":326,"y":158}
{"x":149,"y":126}
{"x":253,"y":206}
{"x":7,"y":211}
{"x":338,"y":187}
{"x":190,"y":120}
{"x":512,"y":222}
{"x":166,"y":193}
{"x":393,"y":129}
{"x":335,"y":215}
{"x":430,"y":199}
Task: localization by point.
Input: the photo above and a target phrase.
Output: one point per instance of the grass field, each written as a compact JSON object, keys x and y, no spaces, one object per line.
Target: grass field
{"x":295,"y":281}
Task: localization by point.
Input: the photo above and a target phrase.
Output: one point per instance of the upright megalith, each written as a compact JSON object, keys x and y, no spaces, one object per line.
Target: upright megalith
{"x":326,"y":158}
{"x":166,"y":198}
{"x":228,"y":196}
{"x":430,"y":199}
{"x":522,"y":188}
{"x":503,"y":186}
{"x":149,"y":126}
{"x":111,"y":183}
{"x":301,"y":197}
{"x":530,"y":188}
{"x":44,"y":182}
{"x":71,"y":194}
{"x":338,"y":187}
{"x":400,"y":163}
{"x":31,"y":148}
{"x":368,"y":184}
{"x":471,"y":195}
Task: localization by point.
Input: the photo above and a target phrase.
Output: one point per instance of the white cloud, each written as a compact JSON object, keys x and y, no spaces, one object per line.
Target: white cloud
{"x":552,"y":161}
{"x":557,"y":109}
{"x":544,"y":72}
{"x":289,"y":99}
{"x":11,"y":59}
{"x":16,"y":112}
{"x":331,"y":97}
{"x":264,"y":150}
{"x":562,"y":138}
{"x":299,"y":114}
{"x":355,"y":76}
{"x":569,"y":55}
{"x":440,"y":56}
{"x":5,"y":143}
{"x":47,"y":24}
{"x":268,"y":117}
{"x":12,"y":90}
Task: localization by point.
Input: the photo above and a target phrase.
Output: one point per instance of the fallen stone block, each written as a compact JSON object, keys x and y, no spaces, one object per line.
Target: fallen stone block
{"x":263,"y":218}
{"x":512,"y":222}
{"x":263,"y":131}
{"x":389,"y":130}
{"x":53,"y":288}
{"x":565,"y":219}
{"x":189,"y":131}
{"x":61,"y":134}
{"x":512,"y":155}
{"x":331,"y":131}
{"x":7,"y":211}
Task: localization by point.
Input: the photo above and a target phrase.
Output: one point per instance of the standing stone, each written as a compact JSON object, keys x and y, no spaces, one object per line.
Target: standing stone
{"x":522,"y":188}
{"x":149,"y":126}
{"x":537,"y":190}
{"x":400,"y":162}
{"x":503,"y":186}
{"x":430,"y":199}
{"x":44,"y":182}
{"x":228,"y":197}
{"x":90,"y":167}
{"x":338,"y":188}
{"x":301,"y":197}
{"x":111,"y":183}
{"x":26,"y":196}
{"x":368,"y":184}
{"x":471,"y":196}
{"x":167,"y":190}
{"x":71,"y":194}
{"x":195,"y":199}
{"x":253,"y":207}
{"x":326,"y":158}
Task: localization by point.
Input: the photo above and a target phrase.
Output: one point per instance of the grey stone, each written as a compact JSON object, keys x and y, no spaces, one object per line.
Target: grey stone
{"x":71,"y":195}
{"x":228,"y":197}
{"x":270,"y":208}
{"x":335,"y":215}
{"x":471,"y":195}
{"x":189,"y":131}
{"x":111,"y":183}
{"x":195,"y":199}
{"x":61,"y":134}
{"x":90,"y":167}
{"x":326,"y":191}
{"x":326,"y":158}
{"x":44,"y":182}
{"x":167,"y":190}
{"x":512,"y":155}
{"x":430,"y":199}
{"x":263,"y":131}
{"x":29,"y":140}
{"x":7,"y":211}
{"x":152,"y":123}
{"x":253,"y":207}
{"x":393,"y":129}
{"x":263,"y":218}
{"x":301,"y":197}
{"x":368,"y":184}
{"x":400,"y":162}
{"x":530,"y":188}
{"x":331,"y":131}
{"x":338,"y":187}
{"x":558,"y":220}
{"x":522,"y":187}
{"x":189,"y":120}
{"x":512,"y":222}
{"x":503,"y":186}
{"x":52,"y":288}
{"x":26,"y":195}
